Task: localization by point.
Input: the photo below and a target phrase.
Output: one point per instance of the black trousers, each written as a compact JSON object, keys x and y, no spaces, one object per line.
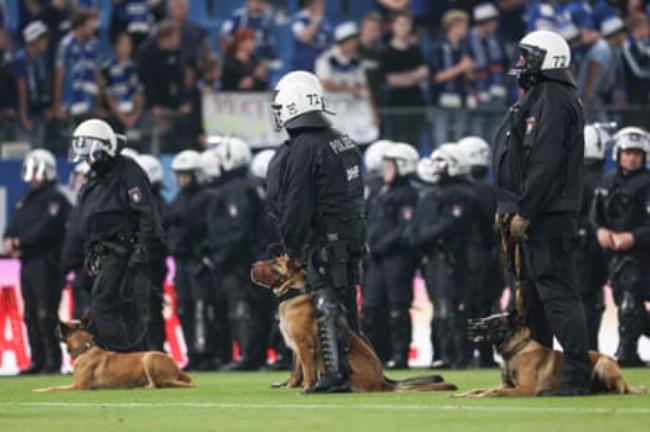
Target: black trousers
{"x":113,"y":305}
{"x":41,"y":285}
{"x":591,"y":270}
{"x":81,"y":287}
{"x":553,"y":303}
{"x":149,"y":281}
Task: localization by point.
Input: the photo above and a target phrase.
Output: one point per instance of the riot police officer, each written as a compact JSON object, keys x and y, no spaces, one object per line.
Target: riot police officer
{"x":621,"y":218}
{"x":445,"y":222}
{"x":482,"y":247}
{"x":186,"y":225}
{"x":538,"y":165}
{"x":151,"y":303}
{"x":121,"y":227}
{"x":373,"y":160}
{"x":317,"y":187}
{"x":389,"y":280}
{"x":35,"y":236}
{"x":591,"y":264}
{"x":234,"y":219}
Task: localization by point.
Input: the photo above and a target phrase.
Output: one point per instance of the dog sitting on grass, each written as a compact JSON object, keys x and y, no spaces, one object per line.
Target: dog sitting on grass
{"x":530,"y":368}
{"x":96,"y":368}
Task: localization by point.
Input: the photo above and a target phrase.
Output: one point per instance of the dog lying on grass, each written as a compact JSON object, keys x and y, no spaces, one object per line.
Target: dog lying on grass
{"x":299,"y":329}
{"x":530,"y":367}
{"x":96,"y":368}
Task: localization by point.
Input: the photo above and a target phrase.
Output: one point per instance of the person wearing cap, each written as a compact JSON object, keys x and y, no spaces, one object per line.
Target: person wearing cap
{"x":35,"y":235}
{"x":490,"y":65}
{"x":621,"y":220}
{"x":339,"y":68}
{"x":599,"y":76}
{"x":580,"y":14}
{"x":32,"y":72}
{"x":312,"y":34}
{"x":636,"y":60}
{"x":451,"y":71}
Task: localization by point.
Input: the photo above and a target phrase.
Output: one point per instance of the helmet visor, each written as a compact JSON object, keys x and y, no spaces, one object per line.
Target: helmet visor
{"x":82,"y":147}
{"x":527,"y":59}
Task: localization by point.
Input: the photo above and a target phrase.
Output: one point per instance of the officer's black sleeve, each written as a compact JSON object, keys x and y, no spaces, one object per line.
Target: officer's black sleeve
{"x":140,"y":199}
{"x":454,"y":218}
{"x":393,"y":237}
{"x":597,"y":211}
{"x":50,"y":224}
{"x":642,"y":233}
{"x":298,"y":203}
{"x":235,"y":225}
{"x":544,"y":139}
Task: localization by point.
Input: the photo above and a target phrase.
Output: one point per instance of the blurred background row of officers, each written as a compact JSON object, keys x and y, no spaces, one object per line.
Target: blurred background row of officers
{"x":432,"y":214}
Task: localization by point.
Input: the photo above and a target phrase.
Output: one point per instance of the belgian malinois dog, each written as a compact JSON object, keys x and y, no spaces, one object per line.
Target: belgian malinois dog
{"x":300,"y":332}
{"x":95,"y":368}
{"x":530,"y":367}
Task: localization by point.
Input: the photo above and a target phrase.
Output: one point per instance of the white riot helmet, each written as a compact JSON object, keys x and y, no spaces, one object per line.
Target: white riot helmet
{"x":477,"y":150}
{"x":39,"y":165}
{"x":210,"y":165}
{"x":298,"y":102}
{"x":187,"y":161}
{"x":93,"y":140}
{"x":374,"y":155}
{"x":426,"y":171}
{"x":260,"y":164}
{"x":542,"y":52}
{"x":404,"y":156}
{"x":152,"y":167}
{"x":450,"y":159}
{"x":234,"y":153}
{"x":596,"y":141}
{"x":129,"y":153}
{"x":630,"y":138}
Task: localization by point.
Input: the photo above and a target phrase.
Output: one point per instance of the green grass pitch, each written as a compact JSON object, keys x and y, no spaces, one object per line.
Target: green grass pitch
{"x":231,"y":402}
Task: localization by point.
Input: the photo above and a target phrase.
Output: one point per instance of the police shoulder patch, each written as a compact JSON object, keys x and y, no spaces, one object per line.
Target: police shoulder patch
{"x":53,"y":208}
{"x":135,"y":195}
{"x":647,"y":208}
{"x":457,"y":211}
{"x":407,"y":213}
{"x":232,"y":210}
{"x":530,"y":125}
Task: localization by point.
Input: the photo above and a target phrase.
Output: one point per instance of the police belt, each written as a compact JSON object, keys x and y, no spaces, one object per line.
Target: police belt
{"x":329,"y":228}
{"x":121,"y":245}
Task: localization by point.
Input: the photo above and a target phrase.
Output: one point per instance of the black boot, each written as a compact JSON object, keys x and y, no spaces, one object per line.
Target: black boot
{"x":400,"y":335}
{"x":441,"y":344}
{"x":630,"y":328}
{"x":334,"y":341}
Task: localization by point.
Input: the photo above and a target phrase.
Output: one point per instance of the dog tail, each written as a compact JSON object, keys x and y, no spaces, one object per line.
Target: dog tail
{"x":637,"y":390}
{"x":183,"y":377}
{"x":421,"y":383}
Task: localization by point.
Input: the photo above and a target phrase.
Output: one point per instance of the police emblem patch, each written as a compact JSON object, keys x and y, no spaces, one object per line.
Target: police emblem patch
{"x":53,"y":209}
{"x":457,"y":211}
{"x":135,"y":195}
{"x":232,"y":210}
{"x":407,"y":213}
{"x":647,"y":208}
{"x":530,"y":125}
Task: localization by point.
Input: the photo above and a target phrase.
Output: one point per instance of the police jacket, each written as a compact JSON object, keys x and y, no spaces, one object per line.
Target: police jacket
{"x":316,"y":185}
{"x":445,"y":218}
{"x":116,"y":203}
{"x":233,"y":220}
{"x":185,"y":221}
{"x":622,"y":203}
{"x":39,"y":221}
{"x":538,"y":159}
{"x":389,"y":214}
{"x":586,"y":234}
{"x":485,"y":199}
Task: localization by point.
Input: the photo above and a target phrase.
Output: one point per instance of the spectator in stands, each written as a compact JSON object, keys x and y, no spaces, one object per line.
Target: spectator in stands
{"x":8,"y":102}
{"x":451,"y":71}
{"x":256,"y":16}
{"x":210,"y":81}
{"x":194,"y":44}
{"x":636,"y":59}
{"x":406,"y":72}
{"x":132,"y":17}
{"x":543,"y":15}
{"x":511,"y":25}
{"x":312,"y":34}
{"x":605,"y":9}
{"x":75,"y":79}
{"x":580,"y":13}
{"x":242,"y":70}
{"x":33,"y":83}
{"x":123,"y":90}
{"x":370,"y":51}
{"x":601,"y":71}
{"x":54,"y":14}
{"x":339,"y":68}
{"x":490,"y":67}
{"x":162,"y":72}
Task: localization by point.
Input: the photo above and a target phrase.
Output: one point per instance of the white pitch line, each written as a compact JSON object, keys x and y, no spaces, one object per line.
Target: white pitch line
{"x":510,"y":409}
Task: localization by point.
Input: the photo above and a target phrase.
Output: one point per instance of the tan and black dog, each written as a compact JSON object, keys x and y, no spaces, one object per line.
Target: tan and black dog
{"x":530,"y":367}
{"x":95,"y":368}
{"x":299,"y":329}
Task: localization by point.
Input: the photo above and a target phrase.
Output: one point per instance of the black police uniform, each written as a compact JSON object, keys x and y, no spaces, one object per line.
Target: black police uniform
{"x":388,"y":285}
{"x":538,"y":165}
{"x":233,"y":221}
{"x":591,"y":264}
{"x":38,"y":222}
{"x":186,"y":228}
{"x":316,"y":186}
{"x":622,"y":204}
{"x":121,"y":227}
{"x":445,"y":222}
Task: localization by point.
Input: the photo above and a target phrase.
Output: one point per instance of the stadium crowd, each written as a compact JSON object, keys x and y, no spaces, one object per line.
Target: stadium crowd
{"x":427,"y":212}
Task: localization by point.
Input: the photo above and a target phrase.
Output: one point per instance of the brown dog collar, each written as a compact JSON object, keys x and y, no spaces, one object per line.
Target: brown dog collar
{"x":84,"y":348}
